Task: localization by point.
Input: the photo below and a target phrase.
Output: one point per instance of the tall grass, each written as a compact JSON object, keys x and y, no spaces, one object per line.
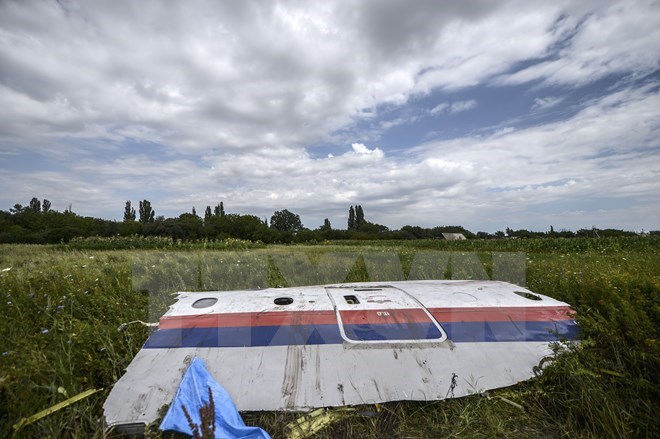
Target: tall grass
{"x":156,"y":243}
{"x":609,"y":385}
{"x":62,"y":307}
{"x":541,"y":245}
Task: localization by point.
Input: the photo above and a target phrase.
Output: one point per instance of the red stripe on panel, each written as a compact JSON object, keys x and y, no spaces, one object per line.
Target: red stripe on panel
{"x":376,"y":316}
{"x":384,"y":316}
{"x":501,"y":314}
{"x":268,"y":318}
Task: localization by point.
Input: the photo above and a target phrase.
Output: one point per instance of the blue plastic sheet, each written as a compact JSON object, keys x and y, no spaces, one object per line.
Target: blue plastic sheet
{"x":193,"y":393}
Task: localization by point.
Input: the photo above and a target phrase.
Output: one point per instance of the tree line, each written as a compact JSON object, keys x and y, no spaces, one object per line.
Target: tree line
{"x":38,"y":223}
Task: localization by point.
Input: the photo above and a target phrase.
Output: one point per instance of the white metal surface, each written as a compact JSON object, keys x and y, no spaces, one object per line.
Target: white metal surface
{"x":414,"y":340}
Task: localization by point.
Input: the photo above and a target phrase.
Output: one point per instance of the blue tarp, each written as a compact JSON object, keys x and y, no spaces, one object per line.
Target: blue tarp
{"x":193,"y":394}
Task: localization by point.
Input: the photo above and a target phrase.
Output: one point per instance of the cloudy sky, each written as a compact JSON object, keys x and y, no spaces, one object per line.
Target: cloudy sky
{"x":487,"y":114}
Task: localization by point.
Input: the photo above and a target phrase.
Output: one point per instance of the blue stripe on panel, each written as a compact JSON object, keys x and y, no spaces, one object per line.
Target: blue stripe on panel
{"x":465,"y":332}
{"x":245,"y":336}
{"x":394,"y":332}
{"x":459,"y":332}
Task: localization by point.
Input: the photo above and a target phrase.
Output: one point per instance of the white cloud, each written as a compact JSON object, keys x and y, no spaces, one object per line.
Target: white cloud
{"x":503,"y":180}
{"x":440,"y":108}
{"x":453,"y":107}
{"x":359,"y":148}
{"x":619,"y":38}
{"x":546,"y":102}
{"x":457,"y":107}
{"x":603,"y":152}
{"x":406,"y":120}
{"x":219,"y":100}
{"x":215,"y":75}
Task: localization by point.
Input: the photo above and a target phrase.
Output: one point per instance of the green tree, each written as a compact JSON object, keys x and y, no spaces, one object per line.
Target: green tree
{"x":129,"y":212}
{"x":417,"y":232}
{"x":285,"y":221}
{"x":359,"y":217}
{"x":191,"y":225}
{"x":147,"y":214}
{"x":245,"y":227}
{"x":18,"y":208}
{"x":45,"y":207}
{"x":219,"y":210}
{"x":207,"y":215}
{"x":326,"y":225}
{"x":351,"y":218}
{"x":484,"y":235}
{"x":35,"y":205}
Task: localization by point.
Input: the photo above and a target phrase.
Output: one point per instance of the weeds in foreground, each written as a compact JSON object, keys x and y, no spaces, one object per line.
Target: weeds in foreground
{"x":206,"y":427}
{"x":61,"y":309}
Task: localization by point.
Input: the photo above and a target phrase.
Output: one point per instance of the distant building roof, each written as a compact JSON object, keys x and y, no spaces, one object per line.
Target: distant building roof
{"x":454,"y":236}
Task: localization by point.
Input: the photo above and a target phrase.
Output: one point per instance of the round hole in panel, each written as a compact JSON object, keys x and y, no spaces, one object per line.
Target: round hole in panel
{"x":205,"y":302}
{"x":283,"y":301}
{"x":527,"y":295}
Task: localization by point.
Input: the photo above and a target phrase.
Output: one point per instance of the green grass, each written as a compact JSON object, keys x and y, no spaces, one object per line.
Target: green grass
{"x":61,"y":307}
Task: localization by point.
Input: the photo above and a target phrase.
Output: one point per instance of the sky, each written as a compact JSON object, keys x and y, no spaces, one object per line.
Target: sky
{"x":520,"y":114}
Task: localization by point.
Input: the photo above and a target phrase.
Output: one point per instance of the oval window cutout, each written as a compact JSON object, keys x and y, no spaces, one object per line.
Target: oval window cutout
{"x":283,"y":301}
{"x":529,"y":296}
{"x":205,"y":303}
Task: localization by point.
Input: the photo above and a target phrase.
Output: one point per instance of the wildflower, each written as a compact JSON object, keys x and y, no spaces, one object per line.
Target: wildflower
{"x":60,"y":307}
{"x":9,"y":302}
{"x":45,"y":331}
{"x":91,"y":257}
{"x":5,"y":353}
{"x":4,"y":270}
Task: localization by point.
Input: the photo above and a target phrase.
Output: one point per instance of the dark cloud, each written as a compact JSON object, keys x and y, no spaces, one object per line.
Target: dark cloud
{"x":395,"y":29}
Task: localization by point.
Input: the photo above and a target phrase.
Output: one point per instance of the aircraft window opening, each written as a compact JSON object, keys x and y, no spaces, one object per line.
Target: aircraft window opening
{"x":205,"y":302}
{"x":351,"y":300}
{"x":368,"y":289}
{"x":283,"y":301}
{"x":529,"y":296}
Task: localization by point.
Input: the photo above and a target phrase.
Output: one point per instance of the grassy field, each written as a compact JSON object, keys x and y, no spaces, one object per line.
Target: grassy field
{"x":61,"y":308}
